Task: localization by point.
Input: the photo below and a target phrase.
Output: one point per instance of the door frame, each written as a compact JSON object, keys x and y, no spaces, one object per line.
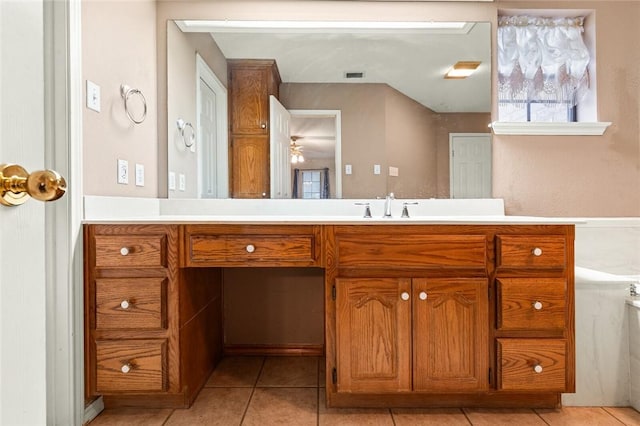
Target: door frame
{"x":204,"y":73}
{"x":451,"y":157}
{"x":336,"y":114}
{"x":63,"y":218}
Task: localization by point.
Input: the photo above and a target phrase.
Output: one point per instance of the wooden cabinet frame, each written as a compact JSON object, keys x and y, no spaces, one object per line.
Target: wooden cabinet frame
{"x":479,"y":274}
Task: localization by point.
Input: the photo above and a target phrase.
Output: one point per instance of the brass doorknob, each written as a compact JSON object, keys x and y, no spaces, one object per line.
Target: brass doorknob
{"x":17,"y":185}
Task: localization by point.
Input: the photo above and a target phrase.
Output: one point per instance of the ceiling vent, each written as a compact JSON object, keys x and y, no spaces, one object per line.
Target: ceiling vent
{"x":354,"y":75}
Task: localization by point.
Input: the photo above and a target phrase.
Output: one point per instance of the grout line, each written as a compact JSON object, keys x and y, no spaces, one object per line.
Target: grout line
{"x":253,"y":391}
{"x":464,"y":413}
{"x":612,"y":415}
{"x":541,"y":418}
{"x":169,"y":416}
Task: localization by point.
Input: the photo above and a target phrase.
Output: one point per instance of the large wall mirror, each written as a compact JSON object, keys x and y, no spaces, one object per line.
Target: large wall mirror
{"x":372,"y":98}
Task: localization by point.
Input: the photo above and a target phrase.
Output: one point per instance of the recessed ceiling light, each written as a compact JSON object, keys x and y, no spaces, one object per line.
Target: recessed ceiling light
{"x":462,"y":69}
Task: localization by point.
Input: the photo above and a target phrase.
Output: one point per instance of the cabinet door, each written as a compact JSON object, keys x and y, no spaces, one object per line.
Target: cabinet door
{"x":250,"y":167}
{"x":373,"y":335}
{"x":249,"y":112}
{"x":450,"y":318}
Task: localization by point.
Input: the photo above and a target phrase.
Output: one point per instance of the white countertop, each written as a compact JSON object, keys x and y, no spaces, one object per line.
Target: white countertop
{"x":341,"y":220}
{"x":107,"y":210}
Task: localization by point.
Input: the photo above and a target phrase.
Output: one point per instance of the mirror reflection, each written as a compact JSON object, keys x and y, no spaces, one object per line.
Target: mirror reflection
{"x":365,"y":111}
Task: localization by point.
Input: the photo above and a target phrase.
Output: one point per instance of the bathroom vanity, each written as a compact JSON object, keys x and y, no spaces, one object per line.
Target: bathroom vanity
{"x":417,"y":313}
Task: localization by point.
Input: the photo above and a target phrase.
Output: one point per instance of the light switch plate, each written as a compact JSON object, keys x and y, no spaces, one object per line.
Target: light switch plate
{"x":172,"y":181}
{"x":376,"y":169}
{"x":182,"y":182}
{"x":347,"y":169}
{"x":123,"y":172}
{"x":93,"y":96}
{"x":393,"y":171}
{"x":139,"y":175}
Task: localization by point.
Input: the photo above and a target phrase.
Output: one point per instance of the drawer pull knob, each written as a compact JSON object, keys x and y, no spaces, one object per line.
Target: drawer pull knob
{"x":125,"y":368}
{"x":538,"y":369}
{"x":124,"y":251}
{"x":263,"y":126}
{"x":250,"y":248}
{"x":125,"y":304}
{"x":404,"y":295}
{"x":537,"y":251}
{"x":423,"y":295}
{"x":537,"y":305}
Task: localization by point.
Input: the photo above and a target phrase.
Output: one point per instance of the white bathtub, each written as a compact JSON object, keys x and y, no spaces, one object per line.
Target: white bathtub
{"x":607,"y":264}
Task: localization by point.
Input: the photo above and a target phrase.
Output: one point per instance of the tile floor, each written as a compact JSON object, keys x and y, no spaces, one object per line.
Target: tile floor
{"x":290,"y":391}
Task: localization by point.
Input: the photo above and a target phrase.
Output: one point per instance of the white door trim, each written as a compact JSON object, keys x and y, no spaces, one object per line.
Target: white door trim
{"x":63,"y":250}
{"x":337,"y":115}
{"x":222,"y":147}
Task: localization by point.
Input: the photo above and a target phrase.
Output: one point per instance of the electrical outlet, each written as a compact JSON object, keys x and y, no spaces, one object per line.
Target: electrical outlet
{"x":182,"y":182}
{"x":376,"y":169}
{"x":172,"y":181}
{"x":139,"y":175}
{"x":123,"y":172}
{"x":347,"y":169}
{"x":93,"y":96}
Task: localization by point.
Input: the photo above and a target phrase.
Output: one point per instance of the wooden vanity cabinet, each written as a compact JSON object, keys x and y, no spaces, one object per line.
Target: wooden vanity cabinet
{"x":140,"y":329}
{"x":446,"y":315}
{"x":403,"y":334}
{"x":415,"y":315}
{"x":251,"y":82}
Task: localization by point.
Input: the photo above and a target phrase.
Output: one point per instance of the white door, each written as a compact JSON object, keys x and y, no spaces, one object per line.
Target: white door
{"x":40,"y":377}
{"x":470,"y":165}
{"x":212,"y":149}
{"x":208,"y":143}
{"x":280,"y":142}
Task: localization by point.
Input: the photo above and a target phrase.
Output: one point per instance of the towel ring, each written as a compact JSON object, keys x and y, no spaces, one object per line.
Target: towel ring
{"x":126,"y":92}
{"x":182,"y":125}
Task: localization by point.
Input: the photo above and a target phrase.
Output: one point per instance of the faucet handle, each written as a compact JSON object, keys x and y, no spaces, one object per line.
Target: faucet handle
{"x":367,"y":210}
{"x":405,"y":209}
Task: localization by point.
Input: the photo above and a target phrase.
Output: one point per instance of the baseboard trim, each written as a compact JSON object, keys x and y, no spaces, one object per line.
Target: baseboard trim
{"x":274,"y":350}
{"x":92,"y":410}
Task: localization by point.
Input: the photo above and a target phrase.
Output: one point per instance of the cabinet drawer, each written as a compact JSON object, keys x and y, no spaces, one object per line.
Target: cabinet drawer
{"x":273,"y":250}
{"x":412,"y":251}
{"x":532,"y":304}
{"x":130,"y":365}
{"x":131,"y":303}
{"x":131,"y":250}
{"x":531,"y":251}
{"x":532,"y":364}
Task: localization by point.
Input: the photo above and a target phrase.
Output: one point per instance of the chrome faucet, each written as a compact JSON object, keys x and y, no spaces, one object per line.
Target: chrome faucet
{"x":387,"y":205}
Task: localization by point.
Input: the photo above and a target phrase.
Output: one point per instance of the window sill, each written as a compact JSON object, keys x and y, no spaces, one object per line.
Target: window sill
{"x":557,"y":129}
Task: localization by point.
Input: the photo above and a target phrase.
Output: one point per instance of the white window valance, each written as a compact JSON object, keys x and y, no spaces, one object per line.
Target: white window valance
{"x":541,"y":60}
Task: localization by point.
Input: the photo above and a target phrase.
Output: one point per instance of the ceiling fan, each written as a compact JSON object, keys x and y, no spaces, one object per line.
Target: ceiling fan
{"x":296,"y":150}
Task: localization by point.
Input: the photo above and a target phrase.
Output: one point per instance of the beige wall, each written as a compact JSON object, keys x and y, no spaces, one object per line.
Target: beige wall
{"x":119,"y":47}
{"x":411,"y":147}
{"x":444,"y":124}
{"x":181,"y":89}
{"x":362,"y":109}
{"x":566,"y":176}
{"x":583,"y":175}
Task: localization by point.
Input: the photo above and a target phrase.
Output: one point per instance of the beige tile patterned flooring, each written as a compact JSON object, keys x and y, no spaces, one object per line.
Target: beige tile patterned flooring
{"x":257,"y":391}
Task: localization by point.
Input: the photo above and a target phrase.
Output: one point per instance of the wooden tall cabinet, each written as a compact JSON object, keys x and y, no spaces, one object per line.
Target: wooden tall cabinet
{"x":251,"y":82}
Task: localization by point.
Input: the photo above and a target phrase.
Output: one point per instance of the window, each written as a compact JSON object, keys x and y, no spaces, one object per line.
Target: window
{"x":542,"y":68}
{"x":311,"y":184}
